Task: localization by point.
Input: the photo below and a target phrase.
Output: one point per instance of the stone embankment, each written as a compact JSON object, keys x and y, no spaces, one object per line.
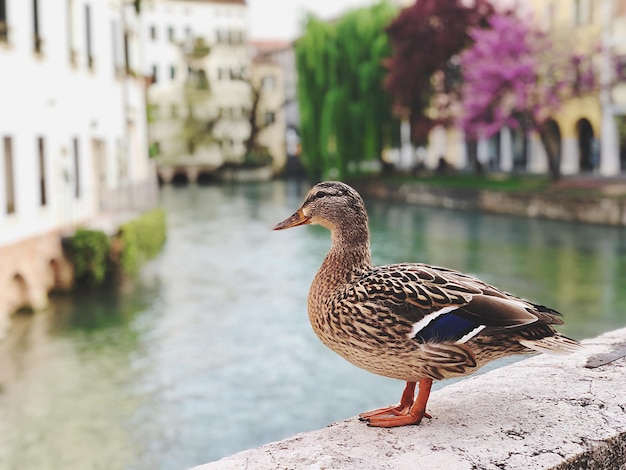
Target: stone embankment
{"x":607,"y":206}
{"x":545,"y":412}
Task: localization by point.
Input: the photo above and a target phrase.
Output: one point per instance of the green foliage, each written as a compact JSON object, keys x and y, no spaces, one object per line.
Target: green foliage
{"x":200,"y":49}
{"x":345,"y":116}
{"x":152,"y":113}
{"x":142,"y":239}
{"x":153,"y":150}
{"x":90,"y":249}
{"x":93,"y":253}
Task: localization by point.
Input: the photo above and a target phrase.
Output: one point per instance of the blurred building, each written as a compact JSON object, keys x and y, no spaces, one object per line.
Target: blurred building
{"x":281,"y":55}
{"x":72,"y":134}
{"x":613,"y":81}
{"x":575,"y":28}
{"x":196,"y":53}
{"x":591,"y":126}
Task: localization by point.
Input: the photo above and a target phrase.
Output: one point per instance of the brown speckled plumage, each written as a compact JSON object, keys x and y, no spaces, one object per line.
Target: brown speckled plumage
{"x":410,"y":321}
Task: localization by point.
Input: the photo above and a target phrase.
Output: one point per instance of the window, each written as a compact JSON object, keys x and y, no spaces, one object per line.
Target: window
{"x":172,"y":72}
{"x":76,"y":155}
{"x":88,"y":36}
{"x":269,"y":118}
{"x":127,"y":64}
{"x":188,"y":32}
{"x":191,"y":146}
{"x":235,"y":37}
{"x":42,"y":171}
{"x":4,"y":30}
{"x":8,"y":176}
{"x":37,"y":42}
{"x":582,"y":12}
{"x":116,"y":61}
{"x":170,"y":34}
{"x":226,"y":112}
{"x":154,"y":74}
{"x":155,"y":148}
{"x":237,"y":74}
{"x":268,"y":82}
{"x":153,"y":112}
{"x":199,"y":80}
{"x":153,"y":33}
{"x":70,"y":33}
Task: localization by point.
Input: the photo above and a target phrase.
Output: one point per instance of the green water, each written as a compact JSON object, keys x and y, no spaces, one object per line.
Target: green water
{"x":210,"y":352}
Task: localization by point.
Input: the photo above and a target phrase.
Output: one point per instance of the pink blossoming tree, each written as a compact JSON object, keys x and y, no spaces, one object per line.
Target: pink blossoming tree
{"x":514,"y":77}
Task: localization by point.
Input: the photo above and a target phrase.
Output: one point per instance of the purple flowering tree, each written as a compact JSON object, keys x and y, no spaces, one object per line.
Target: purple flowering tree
{"x":425,"y":37}
{"x":513,"y":77}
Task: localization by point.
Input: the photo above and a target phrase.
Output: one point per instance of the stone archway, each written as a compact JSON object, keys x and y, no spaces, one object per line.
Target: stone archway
{"x":588,"y":157}
{"x":18,"y":294}
{"x":60,"y":275}
{"x":519,"y":142}
{"x":553,"y":143}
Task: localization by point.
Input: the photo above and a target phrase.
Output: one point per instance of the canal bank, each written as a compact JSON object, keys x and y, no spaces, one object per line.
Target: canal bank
{"x":585,"y":200}
{"x":74,"y":258}
{"x":217,"y":321}
{"x":546,"y":412}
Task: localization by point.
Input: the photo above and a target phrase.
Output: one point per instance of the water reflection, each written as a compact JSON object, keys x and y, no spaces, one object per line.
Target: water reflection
{"x":210,"y":350}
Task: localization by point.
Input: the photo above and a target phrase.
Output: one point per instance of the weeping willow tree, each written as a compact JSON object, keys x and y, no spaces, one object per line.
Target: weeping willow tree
{"x":345,"y":116}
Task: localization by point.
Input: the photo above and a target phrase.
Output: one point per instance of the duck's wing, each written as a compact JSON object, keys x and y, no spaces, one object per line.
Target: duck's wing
{"x":436,"y":305}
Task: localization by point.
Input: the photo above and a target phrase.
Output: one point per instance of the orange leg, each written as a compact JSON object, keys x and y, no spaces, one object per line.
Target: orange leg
{"x":407,"y":412}
{"x":405,"y":404}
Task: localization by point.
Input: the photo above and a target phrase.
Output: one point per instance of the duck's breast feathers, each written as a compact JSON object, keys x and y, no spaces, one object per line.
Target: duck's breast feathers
{"x":433,"y":304}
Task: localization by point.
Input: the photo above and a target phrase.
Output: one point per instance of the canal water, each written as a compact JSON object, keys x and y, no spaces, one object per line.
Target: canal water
{"x":209,"y":350}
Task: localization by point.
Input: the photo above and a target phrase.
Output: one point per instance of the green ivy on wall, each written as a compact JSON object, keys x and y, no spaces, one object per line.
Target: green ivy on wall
{"x":142,"y":239}
{"x":95,"y":254}
{"x":90,"y":250}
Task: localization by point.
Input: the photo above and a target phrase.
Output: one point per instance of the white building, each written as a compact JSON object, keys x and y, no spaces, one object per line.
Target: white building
{"x":72,"y":133}
{"x":196,"y":52}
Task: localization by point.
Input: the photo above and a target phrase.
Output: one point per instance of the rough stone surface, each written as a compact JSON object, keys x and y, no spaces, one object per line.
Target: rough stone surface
{"x":545,"y":412}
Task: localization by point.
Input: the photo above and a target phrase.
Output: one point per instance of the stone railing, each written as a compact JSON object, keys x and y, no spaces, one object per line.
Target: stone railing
{"x":546,"y":412}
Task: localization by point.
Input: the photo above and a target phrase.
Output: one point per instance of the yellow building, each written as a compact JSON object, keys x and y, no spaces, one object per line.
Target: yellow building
{"x":588,"y":125}
{"x":591,"y":127}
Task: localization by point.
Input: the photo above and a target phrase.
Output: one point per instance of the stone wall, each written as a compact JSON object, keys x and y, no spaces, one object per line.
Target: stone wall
{"x":546,"y":412}
{"x":29,"y":269}
{"x":593,"y":209}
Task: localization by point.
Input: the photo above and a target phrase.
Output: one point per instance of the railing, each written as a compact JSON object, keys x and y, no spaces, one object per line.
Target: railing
{"x":133,"y":197}
{"x":106,"y":208}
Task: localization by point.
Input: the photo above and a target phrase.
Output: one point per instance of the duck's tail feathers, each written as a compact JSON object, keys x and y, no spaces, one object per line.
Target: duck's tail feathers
{"x":557,"y":344}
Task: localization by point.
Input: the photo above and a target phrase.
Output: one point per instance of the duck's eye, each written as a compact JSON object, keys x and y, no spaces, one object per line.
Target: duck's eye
{"x":320,"y":194}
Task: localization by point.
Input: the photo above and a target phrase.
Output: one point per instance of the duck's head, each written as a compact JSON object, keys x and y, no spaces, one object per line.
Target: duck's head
{"x":331,"y":204}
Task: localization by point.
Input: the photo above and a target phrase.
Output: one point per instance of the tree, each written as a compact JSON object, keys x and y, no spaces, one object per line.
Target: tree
{"x":198,"y":124}
{"x":513,"y":77}
{"x":255,"y":152}
{"x":345,"y":118}
{"x":426,"y":37}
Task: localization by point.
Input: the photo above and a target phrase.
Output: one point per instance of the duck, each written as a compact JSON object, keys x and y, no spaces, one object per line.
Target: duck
{"x":410,"y":321}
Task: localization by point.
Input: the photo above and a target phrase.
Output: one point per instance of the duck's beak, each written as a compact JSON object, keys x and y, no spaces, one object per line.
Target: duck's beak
{"x":297,"y":219}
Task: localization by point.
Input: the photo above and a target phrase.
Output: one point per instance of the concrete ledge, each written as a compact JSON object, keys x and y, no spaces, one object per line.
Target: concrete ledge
{"x":546,"y":412}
